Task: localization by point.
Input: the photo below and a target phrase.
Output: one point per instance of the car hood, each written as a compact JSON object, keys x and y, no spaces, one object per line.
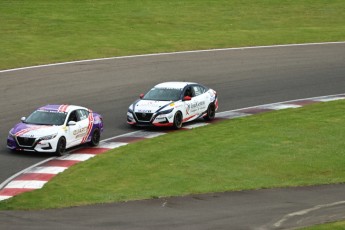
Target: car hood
{"x":28,"y":130}
{"x":147,"y":106}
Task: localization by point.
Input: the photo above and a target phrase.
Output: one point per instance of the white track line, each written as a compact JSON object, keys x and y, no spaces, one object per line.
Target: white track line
{"x":305,"y":212}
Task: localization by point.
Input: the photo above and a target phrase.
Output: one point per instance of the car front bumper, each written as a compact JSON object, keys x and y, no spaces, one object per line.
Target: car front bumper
{"x":161,"y":120}
{"x":37,"y":146}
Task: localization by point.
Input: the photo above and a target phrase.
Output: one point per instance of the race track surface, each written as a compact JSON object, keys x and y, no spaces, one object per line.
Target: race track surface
{"x":242,"y":78}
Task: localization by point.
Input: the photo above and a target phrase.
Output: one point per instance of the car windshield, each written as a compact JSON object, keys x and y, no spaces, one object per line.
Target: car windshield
{"x":163,"y":94}
{"x":42,"y":117}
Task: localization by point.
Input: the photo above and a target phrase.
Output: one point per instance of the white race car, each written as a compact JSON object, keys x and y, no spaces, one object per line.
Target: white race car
{"x":54,"y":128}
{"x":172,"y":104}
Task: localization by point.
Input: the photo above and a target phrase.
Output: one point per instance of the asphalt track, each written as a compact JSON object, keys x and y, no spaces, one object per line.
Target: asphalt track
{"x":242,"y":78}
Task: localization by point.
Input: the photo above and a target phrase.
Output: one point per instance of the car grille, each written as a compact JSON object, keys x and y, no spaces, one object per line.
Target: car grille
{"x":26,"y":141}
{"x":144,"y":116}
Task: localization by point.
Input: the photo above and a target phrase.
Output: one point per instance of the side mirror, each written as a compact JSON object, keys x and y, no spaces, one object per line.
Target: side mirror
{"x":187,"y":98}
{"x":141,"y":96}
{"x":23,"y":119}
{"x":71,"y":123}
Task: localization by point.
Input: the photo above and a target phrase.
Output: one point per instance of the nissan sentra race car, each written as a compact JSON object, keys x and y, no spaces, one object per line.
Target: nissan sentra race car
{"x":54,"y":128}
{"x":172,"y":104}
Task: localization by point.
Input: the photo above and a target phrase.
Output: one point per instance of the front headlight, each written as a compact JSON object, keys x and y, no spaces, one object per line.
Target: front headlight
{"x":10,"y":134}
{"x":166,"y":111}
{"x":130,"y":109}
{"x":48,"y":137}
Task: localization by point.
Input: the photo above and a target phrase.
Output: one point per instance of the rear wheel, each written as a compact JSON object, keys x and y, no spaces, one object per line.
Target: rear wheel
{"x":211,"y":112}
{"x":177,"y":120}
{"x":61,"y":147}
{"x":96,"y":137}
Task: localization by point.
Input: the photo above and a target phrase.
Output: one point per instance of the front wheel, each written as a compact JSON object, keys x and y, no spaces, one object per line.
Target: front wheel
{"x":96,"y":137}
{"x":211,"y":112}
{"x":61,"y":147}
{"x":177,"y":120}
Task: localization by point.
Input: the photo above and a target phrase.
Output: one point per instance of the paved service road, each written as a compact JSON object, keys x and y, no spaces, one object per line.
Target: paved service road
{"x":242,"y":78}
{"x":262,"y":209}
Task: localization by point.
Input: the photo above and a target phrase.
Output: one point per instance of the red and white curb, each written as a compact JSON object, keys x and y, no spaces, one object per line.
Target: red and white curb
{"x":38,"y":175}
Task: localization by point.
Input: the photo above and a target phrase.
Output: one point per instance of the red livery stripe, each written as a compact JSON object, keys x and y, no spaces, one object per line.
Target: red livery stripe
{"x":89,"y":128}
{"x":63,"y":108}
{"x":188,"y":118}
{"x":21,"y":132}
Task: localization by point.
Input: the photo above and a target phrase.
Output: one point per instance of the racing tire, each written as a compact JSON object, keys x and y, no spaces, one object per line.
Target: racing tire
{"x":95,"y":138}
{"x":177,"y":120}
{"x":61,"y":147}
{"x":211,"y":112}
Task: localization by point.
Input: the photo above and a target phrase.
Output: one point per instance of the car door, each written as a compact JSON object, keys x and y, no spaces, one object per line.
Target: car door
{"x":77,"y":128}
{"x":190,"y":105}
{"x":200,"y":99}
{"x":86,"y":123}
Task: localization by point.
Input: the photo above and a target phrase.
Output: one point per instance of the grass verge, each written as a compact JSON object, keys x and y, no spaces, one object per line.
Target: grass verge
{"x":294,"y":147}
{"x":40,"y":32}
{"x":334,"y":226}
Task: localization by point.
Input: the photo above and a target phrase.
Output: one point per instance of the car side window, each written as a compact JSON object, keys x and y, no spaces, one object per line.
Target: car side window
{"x":73,"y":116}
{"x":83,"y":114}
{"x":198,"y":90}
{"x":188,"y":92}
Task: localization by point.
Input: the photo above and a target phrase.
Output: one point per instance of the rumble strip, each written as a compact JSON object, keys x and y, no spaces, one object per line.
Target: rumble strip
{"x":38,"y":175}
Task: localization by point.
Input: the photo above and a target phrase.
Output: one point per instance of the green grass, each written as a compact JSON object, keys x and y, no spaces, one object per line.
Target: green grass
{"x":295,"y":147}
{"x":39,"y":31}
{"x":331,"y":226}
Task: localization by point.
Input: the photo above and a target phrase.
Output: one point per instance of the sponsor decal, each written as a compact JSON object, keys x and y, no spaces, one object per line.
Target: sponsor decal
{"x":148,"y":103}
{"x":197,"y":104}
{"x":167,"y":88}
{"x":77,"y":132}
{"x":193,"y":107}
{"x":187,"y":109}
{"x":144,"y":111}
{"x":50,"y":111}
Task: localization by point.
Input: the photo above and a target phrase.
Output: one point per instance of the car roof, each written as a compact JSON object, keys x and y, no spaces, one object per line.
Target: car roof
{"x":174,"y":84}
{"x":60,"y":108}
